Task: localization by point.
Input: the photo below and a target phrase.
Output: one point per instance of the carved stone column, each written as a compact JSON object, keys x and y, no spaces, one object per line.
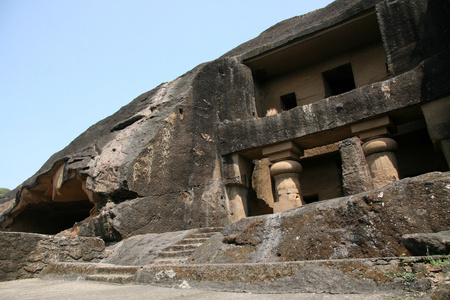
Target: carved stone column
{"x":285,"y":172}
{"x":379,"y":150}
{"x":237,"y":170}
{"x":381,"y":159}
{"x":356,"y":177}
{"x":437,"y":116}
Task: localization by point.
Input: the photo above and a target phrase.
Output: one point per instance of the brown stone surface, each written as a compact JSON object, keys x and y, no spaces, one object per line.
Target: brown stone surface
{"x":428,"y":243}
{"x":355,"y":171}
{"x":24,"y":255}
{"x":369,"y":224}
{"x":407,"y":276}
{"x":262,"y":182}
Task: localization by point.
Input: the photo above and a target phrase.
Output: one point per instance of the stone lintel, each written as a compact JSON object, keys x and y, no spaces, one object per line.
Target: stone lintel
{"x":377,"y":132}
{"x":373,"y":128}
{"x":283,"y":151}
{"x":285,"y":155}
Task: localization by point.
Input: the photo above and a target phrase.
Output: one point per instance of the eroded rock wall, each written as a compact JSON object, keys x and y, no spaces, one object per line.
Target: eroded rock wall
{"x":154,"y":166}
{"x":24,"y":255}
{"x":179,"y":174}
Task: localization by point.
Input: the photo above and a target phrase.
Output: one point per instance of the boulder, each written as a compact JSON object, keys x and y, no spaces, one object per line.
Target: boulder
{"x":428,"y":243}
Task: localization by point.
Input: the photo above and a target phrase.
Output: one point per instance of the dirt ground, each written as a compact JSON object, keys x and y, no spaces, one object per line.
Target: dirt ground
{"x":61,"y":289}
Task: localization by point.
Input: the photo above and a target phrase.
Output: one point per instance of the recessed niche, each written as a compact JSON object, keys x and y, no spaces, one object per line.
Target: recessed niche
{"x":288,"y":101}
{"x":310,"y":198}
{"x":338,"y":80}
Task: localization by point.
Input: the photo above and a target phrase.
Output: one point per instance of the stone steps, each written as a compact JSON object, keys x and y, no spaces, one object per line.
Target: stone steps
{"x":93,"y":271}
{"x":111,"y":278}
{"x":209,"y":230}
{"x":175,"y":254}
{"x":179,"y":252}
{"x":168,"y":261}
{"x":205,"y":235}
{"x":116,"y":270}
{"x":184,"y":247}
{"x":190,"y":241}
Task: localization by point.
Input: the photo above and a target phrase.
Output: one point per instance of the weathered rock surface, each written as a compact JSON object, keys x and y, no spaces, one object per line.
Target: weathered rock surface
{"x":141,"y":250}
{"x":165,"y":162}
{"x":369,"y":224}
{"x":356,"y":172}
{"x":24,"y":255}
{"x":428,"y":243}
{"x":360,"y":276}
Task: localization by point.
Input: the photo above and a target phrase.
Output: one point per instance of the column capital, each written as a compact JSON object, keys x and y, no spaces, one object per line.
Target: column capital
{"x":373,"y":128}
{"x":286,"y":166}
{"x":379,"y":145}
{"x":283,"y":151}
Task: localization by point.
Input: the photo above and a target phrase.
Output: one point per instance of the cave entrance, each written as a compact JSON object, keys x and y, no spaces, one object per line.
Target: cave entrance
{"x":51,"y":218}
{"x":58,"y":200}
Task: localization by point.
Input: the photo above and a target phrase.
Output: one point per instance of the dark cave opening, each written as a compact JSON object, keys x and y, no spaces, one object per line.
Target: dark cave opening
{"x":51,"y":218}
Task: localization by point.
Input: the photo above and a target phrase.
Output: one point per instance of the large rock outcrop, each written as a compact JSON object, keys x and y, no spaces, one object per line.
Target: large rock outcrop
{"x":166,"y":161}
{"x":153,"y":161}
{"x":369,"y":224}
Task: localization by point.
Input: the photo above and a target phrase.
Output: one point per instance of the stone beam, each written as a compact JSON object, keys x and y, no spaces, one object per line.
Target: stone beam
{"x":329,"y":114}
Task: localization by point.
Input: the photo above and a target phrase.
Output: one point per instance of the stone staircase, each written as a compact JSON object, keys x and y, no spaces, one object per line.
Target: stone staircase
{"x":175,"y":254}
{"x":93,"y":271}
{"x":179,"y":252}
{"x":116,"y":274}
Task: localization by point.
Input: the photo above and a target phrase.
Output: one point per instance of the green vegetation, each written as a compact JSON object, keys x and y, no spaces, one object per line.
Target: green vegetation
{"x":3,"y":191}
{"x":402,"y":298}
{"x":438,"y":262}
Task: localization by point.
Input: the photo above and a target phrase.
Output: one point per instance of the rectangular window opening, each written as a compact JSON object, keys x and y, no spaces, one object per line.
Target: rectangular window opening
{"x":288,"y":101}
{"x":338,"y":80}
{"x":310,"y":198}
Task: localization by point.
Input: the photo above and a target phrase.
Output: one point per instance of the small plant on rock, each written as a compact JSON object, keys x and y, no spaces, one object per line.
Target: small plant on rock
{"x":437,"y":262}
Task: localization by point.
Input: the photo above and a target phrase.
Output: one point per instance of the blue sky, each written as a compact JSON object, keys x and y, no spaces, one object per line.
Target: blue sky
{"x":67,"y":64}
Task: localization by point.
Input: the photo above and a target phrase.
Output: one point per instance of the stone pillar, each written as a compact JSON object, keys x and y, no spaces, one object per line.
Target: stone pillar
{"x":285,"y":171}
{"x":379,"y":150}
{"x":437,"y":116}
{"x":237,"y":170}
{"x":356,"y":177}
{"x":238,"y":196}
{"x":381,"y":159}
